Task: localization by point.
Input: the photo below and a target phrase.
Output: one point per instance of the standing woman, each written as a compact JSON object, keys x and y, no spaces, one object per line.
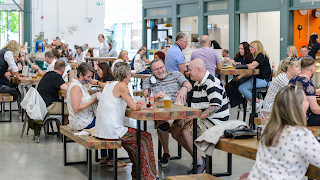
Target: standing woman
{"x":261,"y":62}
{"x":292,"y":52}
{"x":313,"y":45}
{"x":244,"y":57}
{"x":38,"y":55}
{"x":103,"y":46}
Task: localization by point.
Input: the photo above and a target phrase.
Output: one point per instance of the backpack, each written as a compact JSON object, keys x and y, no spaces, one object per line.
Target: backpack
{"x":132,"y":63}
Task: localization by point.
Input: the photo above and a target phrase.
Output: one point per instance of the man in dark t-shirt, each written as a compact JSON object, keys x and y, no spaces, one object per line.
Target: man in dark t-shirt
{"x":49,"y":87}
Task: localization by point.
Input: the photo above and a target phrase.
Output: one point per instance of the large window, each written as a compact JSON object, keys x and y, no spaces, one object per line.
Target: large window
{"x":9,"y":27}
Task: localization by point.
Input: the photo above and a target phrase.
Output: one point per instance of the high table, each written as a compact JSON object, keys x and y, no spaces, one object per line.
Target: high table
{"x":141,"y":76}
{"x":247,"y":72}
{"x":157,"y":114}
{"x":27,"y":81}
{"x":100,"y":59}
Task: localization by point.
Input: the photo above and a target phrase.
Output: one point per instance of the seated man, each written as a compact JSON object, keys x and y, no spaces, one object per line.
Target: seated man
{"x":308,"y":69}
{"x":161,"y":83}
{"x":49,"y":87}
{"x":210,"y":96}
{"x":304,"y":53}
{"x":80,"y":55}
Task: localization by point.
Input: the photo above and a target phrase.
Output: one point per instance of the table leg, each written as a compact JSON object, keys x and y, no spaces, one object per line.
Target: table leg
{"x":62,"y":110}
{"x":208,"y":164}
{"x":159,"y":149}
{"x":229,"y":167}
{"x":90,"y":164}
{"x":194,"y":146}
{"x":64,"y":150}
{"x":115,"y":173}
{"x":254,"y":95}
{"x":145,"y":126}
{"x":138,"y":151}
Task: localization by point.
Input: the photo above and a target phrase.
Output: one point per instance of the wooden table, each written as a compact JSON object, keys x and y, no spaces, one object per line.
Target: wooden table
{"x":141,"y":76}
{"x":247,"y":148}
{"x":27,"y":81}
{"x":203,"y":176}
{"x":164,"y":114}
{"x":246,"y":72}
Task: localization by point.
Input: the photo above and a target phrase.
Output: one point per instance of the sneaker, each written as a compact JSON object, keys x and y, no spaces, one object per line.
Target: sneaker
{"x":258,"y":106}
{"x":200,"y":168}
{"x":165,"y":159}
{"x":165,"y":127}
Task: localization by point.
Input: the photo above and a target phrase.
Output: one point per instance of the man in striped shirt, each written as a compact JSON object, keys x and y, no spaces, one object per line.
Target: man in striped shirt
{"x":210,"y":96}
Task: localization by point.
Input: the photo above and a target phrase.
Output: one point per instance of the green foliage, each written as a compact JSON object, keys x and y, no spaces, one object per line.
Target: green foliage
{"x":13,"y":21}
{"x":112,"y":40}
{"x":38,"y":37}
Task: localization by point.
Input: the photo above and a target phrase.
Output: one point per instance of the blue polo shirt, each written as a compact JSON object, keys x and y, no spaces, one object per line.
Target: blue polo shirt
{"x":174,"y":57}
{"x":301,"y":58}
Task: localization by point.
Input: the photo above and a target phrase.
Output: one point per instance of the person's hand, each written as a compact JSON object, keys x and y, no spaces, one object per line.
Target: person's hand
{"x":20,"y":78}
{"x":237,"y":78}
{"x":317,"y":91}
{"x":24,"y":75}
{"x":94,"y":82}
{"x":94,"y":99}
{"x":34,"y":66}
{"x":137,"y":71}
{"x":227,"y":59}
{"x":19,"y":66}
{"x":7,"y":74}
{"x":160,"y":95}
{"x":182,"y":94}
{"x":140,"y":103}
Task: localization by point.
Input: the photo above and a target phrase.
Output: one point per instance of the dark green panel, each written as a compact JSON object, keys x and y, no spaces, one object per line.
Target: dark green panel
{"x":285,"y":35}
{"x":144,"y":28}
{"x":202,"y":21}
{"x":305,"y":4}
{"x":154,"y":13}
{"x":234,"y":27}
{"x":175,"y":22}
{"x":185,"y":10}
{"x":27,"y":32}
{"x":216,"y":7}
{"x":249,"y":6}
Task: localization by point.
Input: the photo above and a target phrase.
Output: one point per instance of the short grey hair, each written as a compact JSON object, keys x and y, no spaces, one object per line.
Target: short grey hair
{"x":181,"y":36}
{"x":154,"y":61}
{"x":121,"y":69}
{"x":205,"y":40}
{"x":84,"y":68}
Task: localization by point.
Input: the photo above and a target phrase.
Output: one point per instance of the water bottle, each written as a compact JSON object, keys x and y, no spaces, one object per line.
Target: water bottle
{"x":273,"y":66}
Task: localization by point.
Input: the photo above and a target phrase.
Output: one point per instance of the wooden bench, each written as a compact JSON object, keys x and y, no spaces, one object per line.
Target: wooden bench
{"x":90,"y":143}
{"x":6,"y":97}
{"x":204,"y":176}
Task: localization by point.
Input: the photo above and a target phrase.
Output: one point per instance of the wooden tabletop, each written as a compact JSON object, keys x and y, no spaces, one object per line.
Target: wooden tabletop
{"x":203,"y":176}
{"x":90,"y":142}
{"x":248,"y":148}
{"x":141,"y":76}
{"x":27,"y":81}
{"x":100,"y":58}
{"x":155,"y":113}
{"x":237,"y":72}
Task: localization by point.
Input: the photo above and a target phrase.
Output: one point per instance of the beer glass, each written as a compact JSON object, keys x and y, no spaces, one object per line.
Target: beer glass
{"x":167,"y":101}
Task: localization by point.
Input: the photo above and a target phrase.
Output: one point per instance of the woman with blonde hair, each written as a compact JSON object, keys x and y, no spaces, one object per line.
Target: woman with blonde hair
{"x":288,"y":68}
{"x":292,"y":52}
{"x":137,"y":60}
{"x":286,"y":147}
{"x":123,"y":57}
{"x":261,"y":62}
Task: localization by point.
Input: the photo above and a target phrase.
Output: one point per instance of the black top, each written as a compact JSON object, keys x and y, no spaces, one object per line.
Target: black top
{"x":108,"y":78}
{"x":49,"y":87}
{"x":3,"y":64}
{"x":314,"y":50}
{"x":264,"y":66}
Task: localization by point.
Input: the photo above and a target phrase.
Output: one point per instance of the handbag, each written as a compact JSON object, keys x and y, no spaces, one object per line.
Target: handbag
{"x":239,"y":133}
{"x":241,"y":66}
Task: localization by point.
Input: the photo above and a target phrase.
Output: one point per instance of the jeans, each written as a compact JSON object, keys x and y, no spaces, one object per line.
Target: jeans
{"x":93,"y":123}
{"x":245,"y":88}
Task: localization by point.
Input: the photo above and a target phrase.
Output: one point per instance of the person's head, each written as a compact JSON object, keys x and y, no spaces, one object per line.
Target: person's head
{"x":197,"y":70}
{"x":292,"y":52}
{"x":58,"y":42}
{"x":56,"y":54}
{"x":59,"y":67}
{"x":289,"y":108}
{"x":79,"y":50}
{"x":167,"y":47}
{"x":123,"y":55}
{"x":21,"y":46}
{"x":143,"y":57}
{"x":182,"y":40}
{"x":90,"y":53}
{"x":141,"y":51}
{"x":39,"y":47}
{"x":313,"y":39}
{"x":308,"y":66}
{"x":145,"y":48}
{"x":289,"y":66}
{"x":44,"y":42}
{"x":122,"y":72}
{"x":101,"y":38}
{"x":205,"y":41}
{"x":49,"y":47}
{"x":110,"y":46}
{"x":85,"y":72}
{"x":225,"y":53}
{"x":86,"y":46}
{"x":104,"y":70}
{"x":49,"y":56}
{"x":158,"y":69}
{"x":159,"y":55}
{"x":169,"y":37}
{"x":76,"y":46}
{"x":304,"y":51}
{"x":256,"y":47}
{"x":244,"y":52}
{"x":13,"y":46}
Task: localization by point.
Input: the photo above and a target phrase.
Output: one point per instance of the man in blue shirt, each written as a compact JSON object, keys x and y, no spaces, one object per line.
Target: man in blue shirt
{"x":304,"y":53}
{"x":174,"y":58}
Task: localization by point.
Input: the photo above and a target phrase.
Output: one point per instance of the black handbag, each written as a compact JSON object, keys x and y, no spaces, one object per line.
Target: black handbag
{"x":239,"y":133}
{"x":241,"y":66}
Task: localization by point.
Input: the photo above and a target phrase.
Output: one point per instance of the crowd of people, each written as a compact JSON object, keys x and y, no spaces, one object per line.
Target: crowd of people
{"x":291,"y":96}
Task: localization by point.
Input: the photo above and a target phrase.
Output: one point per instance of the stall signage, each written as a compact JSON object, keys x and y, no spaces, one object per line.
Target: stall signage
{"x":159,"y":12}
{"x":309,"y":1}
{"x":220,"y":6}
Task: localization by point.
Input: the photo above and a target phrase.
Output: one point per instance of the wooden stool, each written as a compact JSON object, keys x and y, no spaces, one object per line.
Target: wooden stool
{"x":6,"y":97}
{"x":204,"y":176}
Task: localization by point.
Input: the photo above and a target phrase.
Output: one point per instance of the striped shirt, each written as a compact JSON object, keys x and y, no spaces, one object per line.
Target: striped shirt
{"x":210,"y":92}
{"x":169,"y":85}
{"x":279,"y":82}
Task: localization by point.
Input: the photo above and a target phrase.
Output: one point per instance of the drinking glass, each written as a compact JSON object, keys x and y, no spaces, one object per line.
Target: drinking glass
{"x":167,"y":101}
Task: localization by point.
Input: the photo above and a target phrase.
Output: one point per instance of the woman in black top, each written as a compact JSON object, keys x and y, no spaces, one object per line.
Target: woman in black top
{"x":261,"y":62}
{"x":313,"y":45}
{"x":244,"y":57}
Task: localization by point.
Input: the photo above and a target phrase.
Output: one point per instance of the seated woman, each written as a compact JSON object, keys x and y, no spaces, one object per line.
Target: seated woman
{"x":81,"y":105}
{"x":288,"y":68}
{"x":160,"y":55}
{"x":123,"y":57}
{"x":261,"y":62}
{"x":138,"y":60}
{"x":110,"y":121}
{"x":244,"y":57}
{"x":286,"y":147}
{"x":292,"y":52}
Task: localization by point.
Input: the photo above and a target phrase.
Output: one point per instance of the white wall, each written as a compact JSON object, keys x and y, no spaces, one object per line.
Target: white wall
{"x":264,"y":27}
{"x":220,"y":30}
{"x":68,"y":20}
{"x":185,"y":24}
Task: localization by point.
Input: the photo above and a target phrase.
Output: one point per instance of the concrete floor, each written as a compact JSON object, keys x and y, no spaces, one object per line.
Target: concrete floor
{"x":25,"y":159}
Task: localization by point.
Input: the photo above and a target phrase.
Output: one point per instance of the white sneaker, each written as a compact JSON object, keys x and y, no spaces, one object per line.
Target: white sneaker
{"x":258,"y":106}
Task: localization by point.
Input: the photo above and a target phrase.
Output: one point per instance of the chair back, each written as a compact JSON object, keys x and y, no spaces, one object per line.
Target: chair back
{"x":269,"y":80}
{"x":265,"y":114}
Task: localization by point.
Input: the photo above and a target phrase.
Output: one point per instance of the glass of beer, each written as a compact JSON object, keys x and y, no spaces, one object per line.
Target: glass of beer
{"x":34,"y":76}
{"x":229,"y":65}
{"x":167,"y":101}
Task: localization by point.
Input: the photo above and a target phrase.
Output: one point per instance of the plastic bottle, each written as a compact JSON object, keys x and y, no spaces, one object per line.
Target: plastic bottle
{"x":273,"y":66}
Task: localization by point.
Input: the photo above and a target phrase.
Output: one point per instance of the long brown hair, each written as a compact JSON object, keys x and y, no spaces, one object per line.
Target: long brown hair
{"x":286,"y":110}
{"x":106,"y":70}
{"x":247,"y":54}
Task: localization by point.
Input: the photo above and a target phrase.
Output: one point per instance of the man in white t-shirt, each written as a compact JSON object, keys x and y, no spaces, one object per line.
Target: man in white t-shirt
{"x":80,"y":55}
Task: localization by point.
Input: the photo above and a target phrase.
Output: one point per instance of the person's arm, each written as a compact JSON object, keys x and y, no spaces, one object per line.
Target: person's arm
{"x":219,"y":66}
{"x":209,"y":111}
{"x":36,"y":67}
{"x":315,"y":108}
{"x":253,"y":65}
{"x":309,"y":147}
{"x":317,"y":91}
{"x":76,"y":95}
{"x":105,"y":47}
{"x":121,"y":90}
{"x":182,"y":93}
{"x":64,"y":86}
{"x":183,"y":70}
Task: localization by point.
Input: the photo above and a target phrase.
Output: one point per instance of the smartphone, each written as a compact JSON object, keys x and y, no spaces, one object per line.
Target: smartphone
{"x":160,"y":106}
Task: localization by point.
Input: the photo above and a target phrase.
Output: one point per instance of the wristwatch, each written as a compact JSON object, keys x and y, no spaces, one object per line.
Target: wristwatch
{"x":186,"y":87}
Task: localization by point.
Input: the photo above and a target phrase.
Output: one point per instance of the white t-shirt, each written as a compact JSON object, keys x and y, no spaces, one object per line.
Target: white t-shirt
{"x":51,"y":66}
{"x":64,"y":76}
{"x":103,"y":47}
{"x":8,"y":57}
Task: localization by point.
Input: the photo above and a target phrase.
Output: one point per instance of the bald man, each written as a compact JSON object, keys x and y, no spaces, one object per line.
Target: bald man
{"x":209,"y":56}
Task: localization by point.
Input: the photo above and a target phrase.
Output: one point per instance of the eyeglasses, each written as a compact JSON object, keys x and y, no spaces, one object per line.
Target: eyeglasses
{"x":157,"y":69}
{"x":251,"y":46}
{"x":292,"y":59}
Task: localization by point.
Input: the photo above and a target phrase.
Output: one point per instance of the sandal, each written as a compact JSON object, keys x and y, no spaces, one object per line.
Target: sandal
{"x":110,"y":163}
